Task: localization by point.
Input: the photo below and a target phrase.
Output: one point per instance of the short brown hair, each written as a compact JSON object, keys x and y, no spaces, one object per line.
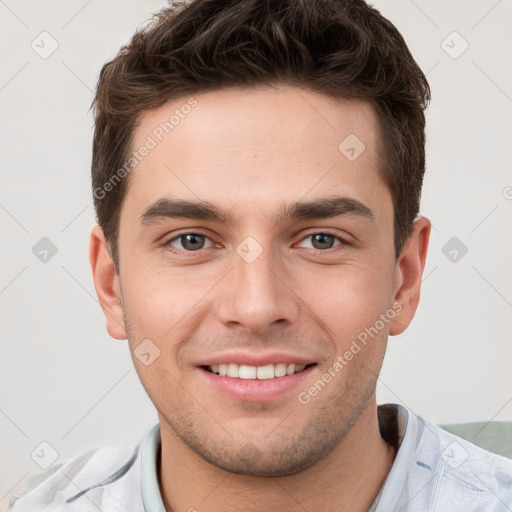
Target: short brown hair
{"x":341,"y":48}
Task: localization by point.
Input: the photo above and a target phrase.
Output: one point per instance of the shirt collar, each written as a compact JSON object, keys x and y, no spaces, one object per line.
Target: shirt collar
{"x":150,"y":454}
{"x":400,"y":421}
{"x":151,"y":449}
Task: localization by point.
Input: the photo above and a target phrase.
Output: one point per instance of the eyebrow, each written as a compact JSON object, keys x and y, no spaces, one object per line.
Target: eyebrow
{"x":170,"y":208}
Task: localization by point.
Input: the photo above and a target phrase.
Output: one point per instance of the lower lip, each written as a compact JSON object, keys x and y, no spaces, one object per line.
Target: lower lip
{"x":255,"y":390}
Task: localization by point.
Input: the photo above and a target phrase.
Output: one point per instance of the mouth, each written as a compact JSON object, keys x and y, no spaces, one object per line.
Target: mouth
{"x":258,"y":382}
{"x":248,"y":372}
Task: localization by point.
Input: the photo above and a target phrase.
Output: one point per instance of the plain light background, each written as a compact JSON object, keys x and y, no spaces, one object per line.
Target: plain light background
{"x":64,"y":381}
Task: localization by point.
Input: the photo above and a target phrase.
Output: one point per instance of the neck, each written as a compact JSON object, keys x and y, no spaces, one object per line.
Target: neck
{"x":349,"y":478}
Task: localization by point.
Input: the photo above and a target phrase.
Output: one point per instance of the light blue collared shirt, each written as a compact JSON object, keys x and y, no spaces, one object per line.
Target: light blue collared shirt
{"x":434,"y":471}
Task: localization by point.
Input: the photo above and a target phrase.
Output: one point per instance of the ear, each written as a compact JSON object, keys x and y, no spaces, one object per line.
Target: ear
{"x":408,"y":273}
{"x":106,"y":282}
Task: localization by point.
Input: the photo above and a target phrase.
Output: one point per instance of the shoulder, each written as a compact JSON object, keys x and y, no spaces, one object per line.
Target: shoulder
{"x":466,"y":476}
{"x":106,"y":478}
{"x":438,"y":471}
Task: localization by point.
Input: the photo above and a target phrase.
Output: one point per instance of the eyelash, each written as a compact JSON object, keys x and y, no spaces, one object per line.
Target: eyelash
{"x":167,"y":243}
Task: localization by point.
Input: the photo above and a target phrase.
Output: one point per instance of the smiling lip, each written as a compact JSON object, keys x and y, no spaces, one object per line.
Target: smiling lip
{"x":255,"y":390}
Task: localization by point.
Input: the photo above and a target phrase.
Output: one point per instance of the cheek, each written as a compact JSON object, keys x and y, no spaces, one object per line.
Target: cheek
{"x":160,"y":303}
{"x":351,"y":298}
{"x":156,"y":308}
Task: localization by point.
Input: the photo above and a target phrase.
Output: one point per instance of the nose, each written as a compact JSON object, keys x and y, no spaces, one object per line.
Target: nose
{"x":258,"y":295}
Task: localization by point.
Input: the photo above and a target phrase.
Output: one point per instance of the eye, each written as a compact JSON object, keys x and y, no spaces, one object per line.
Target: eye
{"x":322,"y":241}
{"x":188,"y":242}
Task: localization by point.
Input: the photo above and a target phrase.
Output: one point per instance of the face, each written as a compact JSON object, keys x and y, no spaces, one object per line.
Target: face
{"x":282,"y":260}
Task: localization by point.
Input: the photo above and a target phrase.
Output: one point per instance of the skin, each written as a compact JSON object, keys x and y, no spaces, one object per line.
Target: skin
{"x":249,"y":151}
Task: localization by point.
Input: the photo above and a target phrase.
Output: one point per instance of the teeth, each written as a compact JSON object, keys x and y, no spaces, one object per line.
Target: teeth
{"x":232,"y":370}
{"x":265,"y":372}
{"x":245,"y":371}
{"x":280,"y":370}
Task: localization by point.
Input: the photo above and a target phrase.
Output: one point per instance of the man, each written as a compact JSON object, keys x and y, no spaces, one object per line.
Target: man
{"x":285,"y":141}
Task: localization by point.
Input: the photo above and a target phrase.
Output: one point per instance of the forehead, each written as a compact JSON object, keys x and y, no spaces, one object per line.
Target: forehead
{"x":242,"y":117}
{"x":257,"y":148}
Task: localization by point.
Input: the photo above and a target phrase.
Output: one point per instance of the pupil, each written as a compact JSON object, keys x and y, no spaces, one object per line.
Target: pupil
{"x":321,"y":237}
{"x":188,"y":242}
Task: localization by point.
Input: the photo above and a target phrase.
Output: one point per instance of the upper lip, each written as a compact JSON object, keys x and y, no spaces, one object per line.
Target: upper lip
{"x":253,"y":359}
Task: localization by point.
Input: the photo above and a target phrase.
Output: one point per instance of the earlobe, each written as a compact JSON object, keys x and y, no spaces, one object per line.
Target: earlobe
{"x":408,"y":274}
{"x":106,"y":283}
